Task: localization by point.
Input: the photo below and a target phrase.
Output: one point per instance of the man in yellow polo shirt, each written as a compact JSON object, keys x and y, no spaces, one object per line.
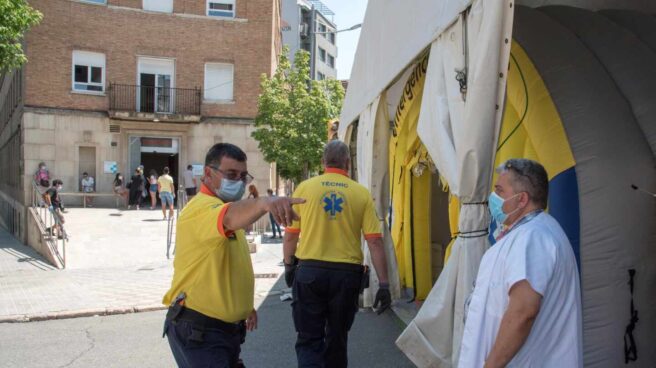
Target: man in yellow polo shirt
{"x":211,"y":295}
{"x":327,"y":279}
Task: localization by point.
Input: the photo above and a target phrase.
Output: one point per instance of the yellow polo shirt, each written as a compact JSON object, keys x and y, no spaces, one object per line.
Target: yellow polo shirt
{"x":337,"y":212}
{"x":165,"y":182}
{"x":213,"y":268}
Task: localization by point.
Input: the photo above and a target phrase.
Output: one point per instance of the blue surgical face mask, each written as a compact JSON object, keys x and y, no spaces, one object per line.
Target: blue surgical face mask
{"x":495,"y":203}
{"x":230,"y":190}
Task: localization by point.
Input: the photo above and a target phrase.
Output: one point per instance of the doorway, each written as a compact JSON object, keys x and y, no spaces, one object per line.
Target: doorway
{"x":155,"y":153}
{"x":157,"y":161}
{"x":86,"y":163}
{"x":156,"y":81}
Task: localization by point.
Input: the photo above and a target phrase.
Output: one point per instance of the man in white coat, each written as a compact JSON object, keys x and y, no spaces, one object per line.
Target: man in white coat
{"x":525,"y":309}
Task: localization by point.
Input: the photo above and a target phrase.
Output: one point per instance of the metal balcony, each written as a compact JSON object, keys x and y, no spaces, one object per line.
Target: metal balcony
{"x":154,"y":103}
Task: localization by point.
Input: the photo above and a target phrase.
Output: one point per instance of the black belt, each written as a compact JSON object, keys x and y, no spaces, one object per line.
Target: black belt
{"x":340,"y":266}
{"x":200,"y":319}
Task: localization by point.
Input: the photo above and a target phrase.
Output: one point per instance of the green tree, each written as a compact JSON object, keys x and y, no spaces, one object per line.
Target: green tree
{"x":293,"y":114}
{"x":16,"y":17}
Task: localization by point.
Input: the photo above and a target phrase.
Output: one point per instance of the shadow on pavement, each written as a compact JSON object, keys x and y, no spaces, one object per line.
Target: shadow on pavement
{"x":14,"y":255}
{"x":371,"y":340}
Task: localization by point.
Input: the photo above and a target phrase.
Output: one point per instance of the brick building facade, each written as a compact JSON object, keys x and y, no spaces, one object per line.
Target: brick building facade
{"x":133,"y":82}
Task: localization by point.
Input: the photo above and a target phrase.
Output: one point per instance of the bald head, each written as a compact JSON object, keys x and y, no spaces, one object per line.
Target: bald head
{"x":336,"y":154}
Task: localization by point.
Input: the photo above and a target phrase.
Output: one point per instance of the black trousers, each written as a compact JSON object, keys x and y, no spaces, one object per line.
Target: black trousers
{"x":203,"y":347}
{"x":324,"y":305}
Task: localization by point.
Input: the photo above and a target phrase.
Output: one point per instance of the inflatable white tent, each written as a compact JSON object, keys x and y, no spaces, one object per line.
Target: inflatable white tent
{"x":569,"y":83}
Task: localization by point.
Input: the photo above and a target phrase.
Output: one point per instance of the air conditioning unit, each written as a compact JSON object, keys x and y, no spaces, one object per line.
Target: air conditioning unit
{"x":304,"y":30}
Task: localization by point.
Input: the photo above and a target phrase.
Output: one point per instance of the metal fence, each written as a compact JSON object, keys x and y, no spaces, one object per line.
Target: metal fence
{"x":47,"y":223}
{"x":151,"y":99}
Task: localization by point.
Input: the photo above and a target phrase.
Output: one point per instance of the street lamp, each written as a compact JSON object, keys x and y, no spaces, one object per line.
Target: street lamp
{"x":352,"y":28}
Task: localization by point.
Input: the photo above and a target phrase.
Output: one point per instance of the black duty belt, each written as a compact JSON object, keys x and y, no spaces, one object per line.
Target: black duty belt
{"x":339,"y":266}
{"x":200,"y":319}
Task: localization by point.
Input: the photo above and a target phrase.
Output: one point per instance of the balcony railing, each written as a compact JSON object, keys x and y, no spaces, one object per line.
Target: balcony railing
{"x":150,"y":99}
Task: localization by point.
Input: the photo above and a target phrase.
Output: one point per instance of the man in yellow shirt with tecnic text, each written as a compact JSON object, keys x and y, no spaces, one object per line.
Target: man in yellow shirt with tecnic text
{"x":325,"y":270}
{"x":211,"y":295}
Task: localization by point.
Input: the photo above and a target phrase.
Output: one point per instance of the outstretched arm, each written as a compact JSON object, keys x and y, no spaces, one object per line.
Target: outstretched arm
{"x":247,"y":211}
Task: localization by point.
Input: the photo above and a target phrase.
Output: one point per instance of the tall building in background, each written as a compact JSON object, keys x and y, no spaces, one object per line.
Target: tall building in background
{"x":114,"y":84}
{"x":308,"y":25}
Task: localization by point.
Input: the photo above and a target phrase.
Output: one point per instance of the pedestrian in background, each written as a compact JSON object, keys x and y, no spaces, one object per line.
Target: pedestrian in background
{"x":274,"y":225}
{"x":53,"y":201}
{"x":189,"y":182}
{"x":42,"y":178}
{"x":152,"y":188}
{"x":211,"y":296}
{"x":252,"y":191}
{"x":119,"y":187}
{"x":525,"y":310}
{"x":166,"y":190}
{"x":136,"y":187}
{"x":88,"y":186}
{"x":325,"y":270}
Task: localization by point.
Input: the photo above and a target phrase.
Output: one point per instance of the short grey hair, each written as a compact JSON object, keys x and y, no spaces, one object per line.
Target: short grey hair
{"x":528,"y":176}
{"x":336,"y":154}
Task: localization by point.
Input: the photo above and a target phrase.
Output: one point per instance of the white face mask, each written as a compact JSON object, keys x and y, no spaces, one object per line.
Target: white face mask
{"x":59,"y":187}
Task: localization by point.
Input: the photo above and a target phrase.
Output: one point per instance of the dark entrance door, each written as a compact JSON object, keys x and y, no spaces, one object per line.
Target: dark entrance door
{"x":147,"y":92}
{"x":157,"y":161}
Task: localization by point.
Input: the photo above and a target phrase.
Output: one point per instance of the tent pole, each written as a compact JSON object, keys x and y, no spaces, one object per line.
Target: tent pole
{"x":412,"y":243}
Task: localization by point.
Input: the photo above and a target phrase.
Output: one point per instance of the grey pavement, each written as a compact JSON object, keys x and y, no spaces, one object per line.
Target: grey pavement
{"x":116,"y":263}
{"x":134,"y":340}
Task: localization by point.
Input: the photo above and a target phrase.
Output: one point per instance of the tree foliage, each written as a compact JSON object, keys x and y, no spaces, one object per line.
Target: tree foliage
{"x":293,"y":114}
{"x":16,"y":17}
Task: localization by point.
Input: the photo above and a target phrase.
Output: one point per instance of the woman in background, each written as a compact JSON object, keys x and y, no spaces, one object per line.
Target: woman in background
{"x":152,"y":180}
{"x":119,"y":187}
{"x":136,"y":188}
{"x":252,"y":191}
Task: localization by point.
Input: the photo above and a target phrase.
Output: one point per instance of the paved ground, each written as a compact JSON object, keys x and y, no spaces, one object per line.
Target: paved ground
{"x":116,"y":263}
{"x":134,"y":340}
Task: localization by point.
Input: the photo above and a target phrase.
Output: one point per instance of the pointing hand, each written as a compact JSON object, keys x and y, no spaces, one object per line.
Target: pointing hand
{"x":281,"y":209}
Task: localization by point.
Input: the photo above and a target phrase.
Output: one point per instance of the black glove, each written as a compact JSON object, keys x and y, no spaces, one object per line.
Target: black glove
{"x":383,"y":299}
{"x":290,"y":271}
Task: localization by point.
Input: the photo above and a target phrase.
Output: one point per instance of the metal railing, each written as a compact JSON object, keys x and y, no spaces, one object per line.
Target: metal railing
{"x":150,"y":99}
{"x":182,"y":199}
{"x":181,"y":202}
{"x":47,"y":224}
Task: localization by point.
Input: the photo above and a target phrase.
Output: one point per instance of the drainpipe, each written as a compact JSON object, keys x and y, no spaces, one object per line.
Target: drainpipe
{"x":313,"y":42}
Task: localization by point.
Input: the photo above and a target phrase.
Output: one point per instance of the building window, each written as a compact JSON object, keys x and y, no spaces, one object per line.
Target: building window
{"x":88,"y":71}
{"x":221,"y":8}
{"x":95,"y":1}
{"x":218,"y":82}
{"x":331,"y":37}
{"x":331,"y":61}
{"x":322,"y":54}
{"x":321,"y":29}
{"x":164,"y":6}
{"x":321,"y":76}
